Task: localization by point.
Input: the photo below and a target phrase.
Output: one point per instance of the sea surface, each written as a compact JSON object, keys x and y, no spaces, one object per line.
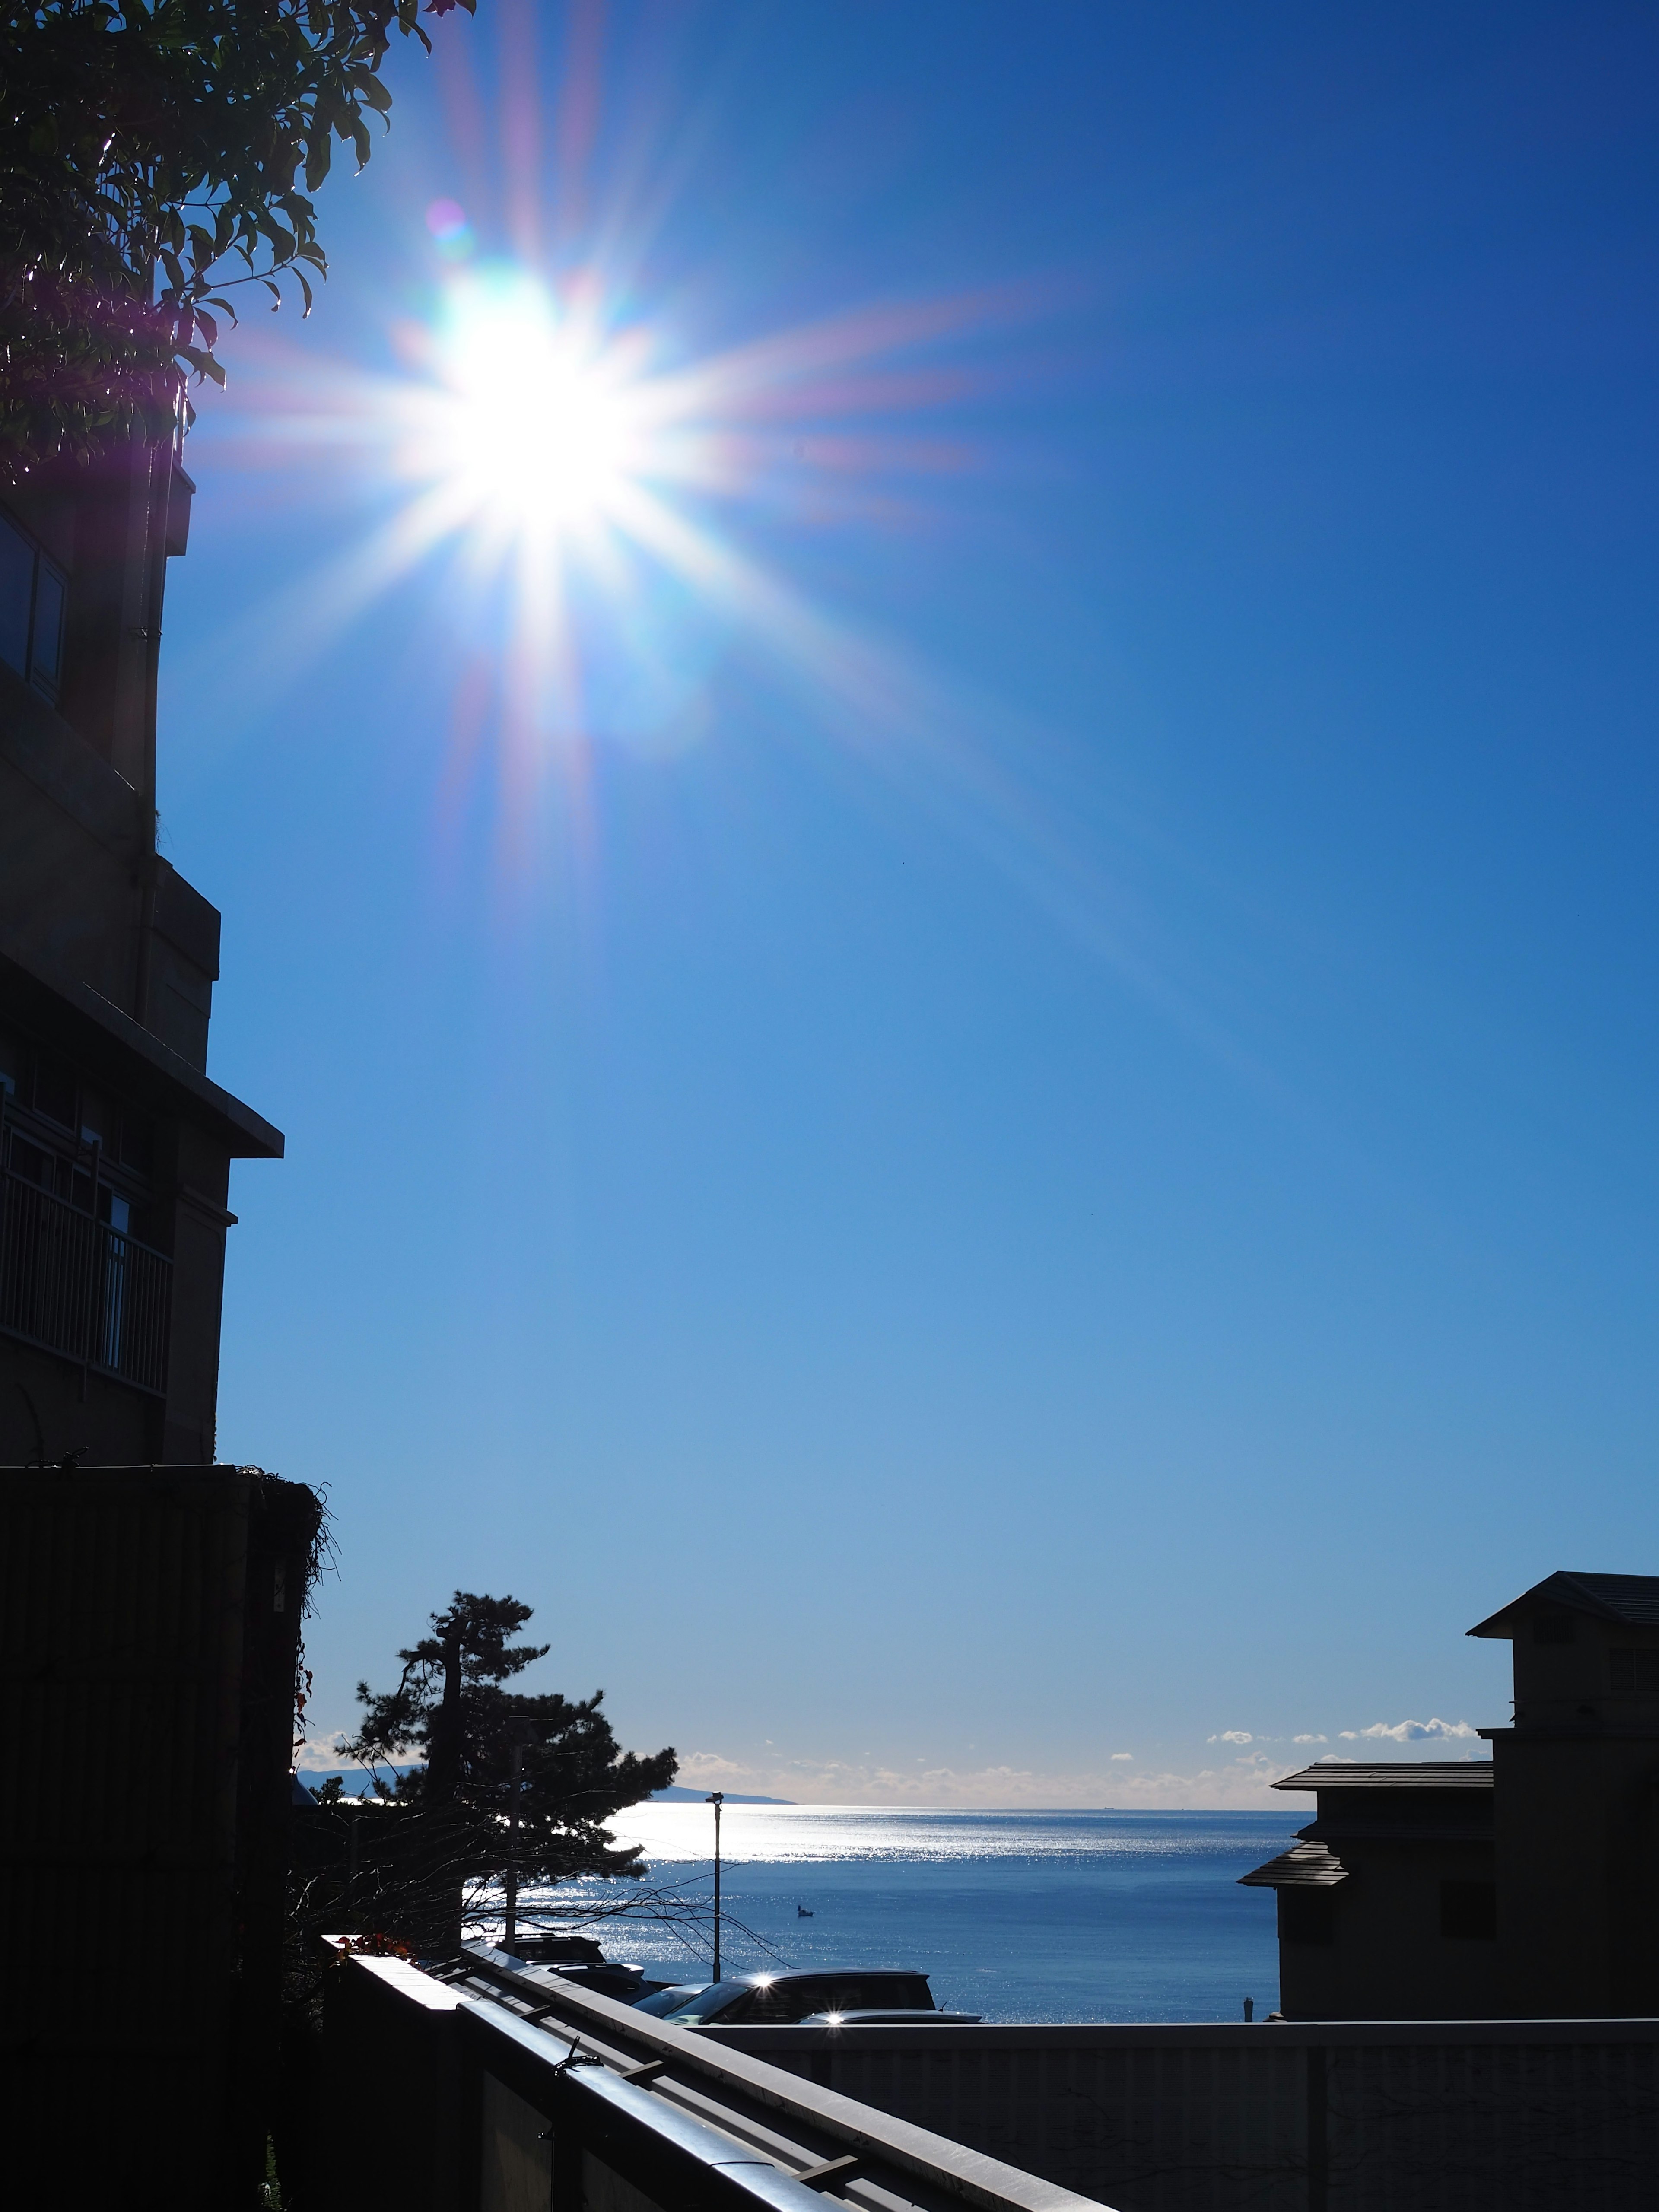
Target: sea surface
{"x":1018,"y":1915}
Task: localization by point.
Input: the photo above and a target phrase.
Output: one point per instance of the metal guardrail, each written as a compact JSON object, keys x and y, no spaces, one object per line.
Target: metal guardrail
{"x":534,"y":2091}
{"x":74,"y":1285}
{"x":657,"y":2147}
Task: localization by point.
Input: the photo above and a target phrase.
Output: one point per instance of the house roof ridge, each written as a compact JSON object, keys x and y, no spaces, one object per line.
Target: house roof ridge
{"x":1630,"y":1599}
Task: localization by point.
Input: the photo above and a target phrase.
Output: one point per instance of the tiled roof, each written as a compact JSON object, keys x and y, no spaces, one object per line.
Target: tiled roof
{"x":1304,"y":1866}
{"x":1633,"y":1600}
{"x":1397,"y":1774}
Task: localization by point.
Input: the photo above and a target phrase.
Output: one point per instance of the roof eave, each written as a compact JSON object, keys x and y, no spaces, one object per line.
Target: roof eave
{"x":87,"y":1026}
{"x":1560,"y":1588}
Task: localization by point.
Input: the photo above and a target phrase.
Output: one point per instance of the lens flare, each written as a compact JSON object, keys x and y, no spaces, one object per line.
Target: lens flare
{"x":599,"y":514}
{"x":452,"y":234}
{"x":530,"y":424}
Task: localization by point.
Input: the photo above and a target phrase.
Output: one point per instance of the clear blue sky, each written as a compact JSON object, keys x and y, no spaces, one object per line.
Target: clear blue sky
{"x":1051,"y":1155}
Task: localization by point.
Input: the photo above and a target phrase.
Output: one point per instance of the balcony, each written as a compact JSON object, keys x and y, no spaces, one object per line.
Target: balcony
{"x":76,"y":1286}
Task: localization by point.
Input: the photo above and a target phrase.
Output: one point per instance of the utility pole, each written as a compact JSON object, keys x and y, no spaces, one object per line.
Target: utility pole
{"x":517,"y":1730}
{"x":717,"y":1801}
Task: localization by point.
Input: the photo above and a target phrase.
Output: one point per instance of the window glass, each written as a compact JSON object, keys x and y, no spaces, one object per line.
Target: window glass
{"x":718,"y":1997}
{"x":46,"y":648}
{"x":783,"y":2001}
{"x":17,"y":595}
{"x":661,"y":2001}
{"x":886,"y":1993}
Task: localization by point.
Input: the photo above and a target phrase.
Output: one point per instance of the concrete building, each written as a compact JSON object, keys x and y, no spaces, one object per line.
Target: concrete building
{"x":1518,"y":1888}
{"x":115,"y":1147}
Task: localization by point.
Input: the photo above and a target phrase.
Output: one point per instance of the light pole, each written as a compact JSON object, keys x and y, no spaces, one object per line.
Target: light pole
{"x":517,"y":1731}
{"x":717,"y":1801}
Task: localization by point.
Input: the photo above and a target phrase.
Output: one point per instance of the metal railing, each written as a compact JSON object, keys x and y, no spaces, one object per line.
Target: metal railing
{"x":534,"y":2092}
{"x":77,"y":1286}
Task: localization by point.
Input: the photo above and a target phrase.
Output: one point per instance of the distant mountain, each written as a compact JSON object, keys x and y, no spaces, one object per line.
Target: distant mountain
{"x":678,"y":1796}
{"x":354,"y":1779}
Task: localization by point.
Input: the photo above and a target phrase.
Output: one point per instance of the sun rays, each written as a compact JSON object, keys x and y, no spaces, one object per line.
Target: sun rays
{"x":599,"y":522}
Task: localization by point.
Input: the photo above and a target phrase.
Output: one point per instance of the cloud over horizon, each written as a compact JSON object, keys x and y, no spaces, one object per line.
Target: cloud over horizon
{"x":1430,"y":1731}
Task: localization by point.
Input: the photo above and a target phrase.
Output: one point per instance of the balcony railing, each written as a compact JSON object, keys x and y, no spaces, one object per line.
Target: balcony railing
{"x":77,"y":1286}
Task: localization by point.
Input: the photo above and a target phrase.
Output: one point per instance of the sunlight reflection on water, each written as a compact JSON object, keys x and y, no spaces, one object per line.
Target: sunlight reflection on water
{"x":779,"y":1834}
{"x":1056,"y":1915}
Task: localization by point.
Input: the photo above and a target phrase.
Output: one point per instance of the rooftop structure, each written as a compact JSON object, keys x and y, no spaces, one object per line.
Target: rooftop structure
{"x":1519,"y":1886}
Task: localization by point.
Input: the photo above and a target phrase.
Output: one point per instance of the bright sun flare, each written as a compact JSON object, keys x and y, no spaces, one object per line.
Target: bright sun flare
{"x":532,"y":423}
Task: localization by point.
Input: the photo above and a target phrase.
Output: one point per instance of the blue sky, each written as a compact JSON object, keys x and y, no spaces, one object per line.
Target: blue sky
{"x":1047,"y":1156}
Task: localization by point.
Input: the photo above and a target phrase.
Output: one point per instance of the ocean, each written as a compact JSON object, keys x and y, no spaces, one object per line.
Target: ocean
{"x":1018,"y":1915}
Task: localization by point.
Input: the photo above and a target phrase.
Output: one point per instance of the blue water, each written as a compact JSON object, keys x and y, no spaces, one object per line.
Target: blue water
{"x":1018,"y":1916}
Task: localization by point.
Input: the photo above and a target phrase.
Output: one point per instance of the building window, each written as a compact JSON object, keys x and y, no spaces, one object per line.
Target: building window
{"x":32,"y":598}
{"x":1468,"y":1910}
{"x":79,"y":1273}
{"x":1633,"y":1670}
{"x":1307,"y":1915}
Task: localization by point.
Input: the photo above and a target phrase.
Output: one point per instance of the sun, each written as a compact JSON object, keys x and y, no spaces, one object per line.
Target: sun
{"x":532,"y":422}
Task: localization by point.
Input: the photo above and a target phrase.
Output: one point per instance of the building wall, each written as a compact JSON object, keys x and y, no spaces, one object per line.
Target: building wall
{"x":107,"y":963}
{"x":149,"y":1625}
{"x":72,"y":847}
{"x":1388,"y":1958}
{"x":1578,"y":1862}
{"x":1543,"y":2116}
{"x":1577,"y":1791}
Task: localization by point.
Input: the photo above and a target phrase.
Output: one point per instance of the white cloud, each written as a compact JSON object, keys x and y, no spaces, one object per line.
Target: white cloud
{"x":700,"y":1766}
{"x":1231,"y":1735}
{"x":1310,"y":1739}
{"x":1118,"y":1780}
{"x":1242,"y":1785}
{"x":1434,"y":1731}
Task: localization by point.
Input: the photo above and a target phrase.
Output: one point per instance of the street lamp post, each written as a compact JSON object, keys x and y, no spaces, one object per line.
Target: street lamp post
{"x":517,"y":1731}
{"x":717,"y":1801}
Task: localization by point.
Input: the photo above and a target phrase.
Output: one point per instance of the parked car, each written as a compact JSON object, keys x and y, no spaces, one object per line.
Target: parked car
{"x":670,"y":1999}
{"x":610,"y":1977}
{"x":784,"y":2000}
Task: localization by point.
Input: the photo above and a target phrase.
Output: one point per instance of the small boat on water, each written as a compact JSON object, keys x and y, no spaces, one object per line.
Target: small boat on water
{"x":802,"y":1913}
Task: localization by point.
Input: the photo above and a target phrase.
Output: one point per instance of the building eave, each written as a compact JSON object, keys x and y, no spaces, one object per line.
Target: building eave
{"x":1304,"y":1866}
{"x":1393,"y":1774}
{"x":1628,"y":1601}
{"x":92,"y":1030}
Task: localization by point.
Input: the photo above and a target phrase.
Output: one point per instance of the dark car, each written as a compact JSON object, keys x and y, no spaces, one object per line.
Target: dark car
{"x":671,"y":2000}
{"x":784,"y":2000}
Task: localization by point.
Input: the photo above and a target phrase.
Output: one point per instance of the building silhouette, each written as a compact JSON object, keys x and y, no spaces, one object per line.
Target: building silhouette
{"x":115,"y":1146}
{"x":150,"y":1601}
{"x":1520,"y":1886}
